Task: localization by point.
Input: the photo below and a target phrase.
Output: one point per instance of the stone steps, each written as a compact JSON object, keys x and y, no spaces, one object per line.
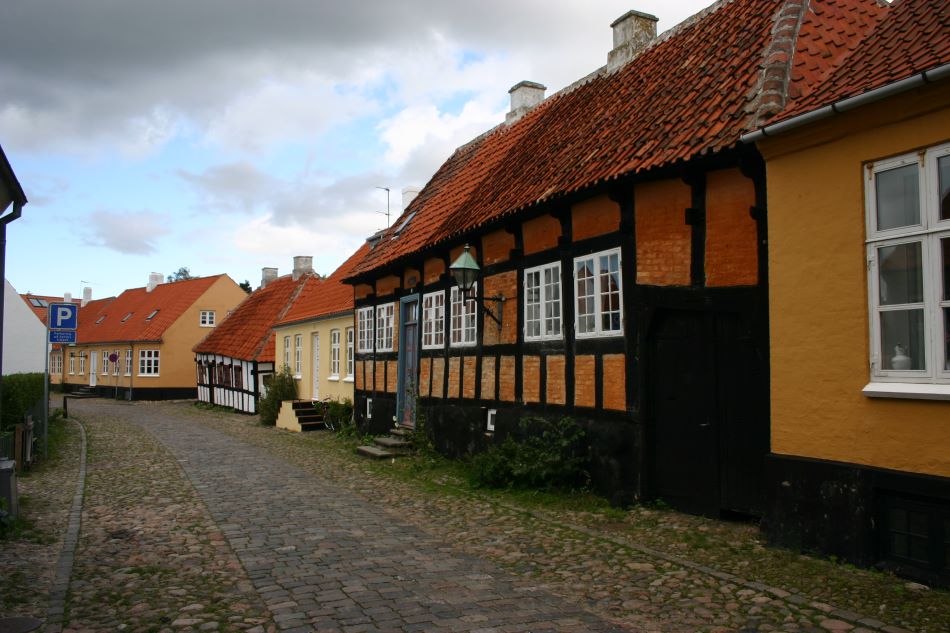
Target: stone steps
{"x":397,"y":443}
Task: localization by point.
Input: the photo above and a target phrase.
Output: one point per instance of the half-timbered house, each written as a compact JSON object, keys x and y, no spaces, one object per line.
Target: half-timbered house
{"x":619,"y":231}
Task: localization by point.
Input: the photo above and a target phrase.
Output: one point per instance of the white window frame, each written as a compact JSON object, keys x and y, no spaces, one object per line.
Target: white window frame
{"x":72,"y":363}
{"x":433,"y":320}
{"x":128,"y":362}
{"x":149,"y":360}
{"x":115,"y":365}
{"x":105,"y":362}
{"x":82,"y":363}
{"x":206,"y":318}
{"x":598,"y":330}
{"x":385,"y":321}
{"x":334,"y":355}
{"x":287,"y":352}
{"x":350,"y":360}
{"x":932,"y":382}
{"x":543,"y":302}
{"x":298,"y":355}
{"x":55,"y":363}
{"x":366,"y":321}
{"x":463,"y":317}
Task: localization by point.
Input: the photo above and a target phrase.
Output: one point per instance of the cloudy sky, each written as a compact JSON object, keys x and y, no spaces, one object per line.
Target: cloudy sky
{"x":228,"y":135}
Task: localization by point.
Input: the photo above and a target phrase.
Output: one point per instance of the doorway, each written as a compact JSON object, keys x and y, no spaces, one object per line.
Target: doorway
{"x":94,"y":364}
{"x":710,"y":433}
{"x":407,"y":389}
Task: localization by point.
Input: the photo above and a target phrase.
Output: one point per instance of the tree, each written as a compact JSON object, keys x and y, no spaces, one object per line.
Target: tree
{"x":182,"y":274}
{"x":246,"y":286}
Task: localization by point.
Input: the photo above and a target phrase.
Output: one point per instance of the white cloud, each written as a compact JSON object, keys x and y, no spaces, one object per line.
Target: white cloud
{"x":132,"y":233}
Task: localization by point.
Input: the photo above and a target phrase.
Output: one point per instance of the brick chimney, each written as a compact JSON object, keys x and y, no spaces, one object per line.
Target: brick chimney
{"x":303,"y":264}
{"x":525,"y":95}
{"x":633,"y":31}
{"x":268,"y":275}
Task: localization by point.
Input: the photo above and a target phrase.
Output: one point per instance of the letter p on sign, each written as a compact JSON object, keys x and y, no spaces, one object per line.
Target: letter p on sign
{"x":62,"y":316}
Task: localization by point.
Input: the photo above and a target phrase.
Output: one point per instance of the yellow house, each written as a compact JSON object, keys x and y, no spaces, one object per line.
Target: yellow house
{"x":138,"y":345}
{"x":315,"y":338}
{"x":858,"y":181}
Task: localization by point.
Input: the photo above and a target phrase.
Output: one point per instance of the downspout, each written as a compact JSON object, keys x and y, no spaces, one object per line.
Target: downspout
{"x":843,"y":105}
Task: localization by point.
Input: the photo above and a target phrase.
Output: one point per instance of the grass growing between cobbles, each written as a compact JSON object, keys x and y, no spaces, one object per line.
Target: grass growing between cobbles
{"x":30,"y":548}
{"x":574,"y":544}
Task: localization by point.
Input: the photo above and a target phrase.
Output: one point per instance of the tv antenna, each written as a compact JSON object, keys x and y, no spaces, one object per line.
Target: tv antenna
{"x":386,"y":189}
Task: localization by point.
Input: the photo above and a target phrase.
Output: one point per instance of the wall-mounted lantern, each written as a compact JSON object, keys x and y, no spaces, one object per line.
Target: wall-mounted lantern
{"x":465,"y":271}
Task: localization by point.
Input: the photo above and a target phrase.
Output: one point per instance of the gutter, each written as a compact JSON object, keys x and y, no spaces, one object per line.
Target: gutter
{"x":843,"y":105}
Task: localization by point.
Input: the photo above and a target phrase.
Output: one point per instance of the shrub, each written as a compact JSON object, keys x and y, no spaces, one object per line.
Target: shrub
{"x":21,"y":394}
{"x":340,"y":414}
{"x":282,"y":387}
{"x":540,"y":454}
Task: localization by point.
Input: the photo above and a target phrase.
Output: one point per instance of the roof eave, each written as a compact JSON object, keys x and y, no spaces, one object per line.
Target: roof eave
{"x":843,"y":105}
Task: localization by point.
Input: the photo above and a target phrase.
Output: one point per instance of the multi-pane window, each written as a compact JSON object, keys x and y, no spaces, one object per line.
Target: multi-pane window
{"x":542,"y":302}
{"x":349,"y":353}
{"x":908,"y":257}
{"x":464,"y":322}
{"x":72,"y":363}
{"x":148,"y":362}
{"x":105,"y":362}
{"x":287,"y":352}
{"x":298,"y":354}
{"x":206,"y":318}
{"x":82,"y":362}
{"x":384,"y":327}
{"x":433,"y":320}
{"x":365,"y":324}
{"x":128,"y":362}
{"x":238,"y":376}
{"x":597,"y":285}
{"x":55,"y":363}
{"x":334,"y":353}
{"x":115,"y":365}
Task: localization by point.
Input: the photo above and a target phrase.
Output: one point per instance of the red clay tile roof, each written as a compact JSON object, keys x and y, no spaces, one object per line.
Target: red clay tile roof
{"x":246,"y":332}
{"x":323,"y":297}
{"x":694,"y":92}
{"x":104,"y":321}
{"x":913,"y":37}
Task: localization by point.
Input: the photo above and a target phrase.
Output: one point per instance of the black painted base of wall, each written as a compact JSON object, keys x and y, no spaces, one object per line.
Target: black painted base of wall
{"x":460,"y":429}
{"x":160,"y":393}
{"x":838,"y":509}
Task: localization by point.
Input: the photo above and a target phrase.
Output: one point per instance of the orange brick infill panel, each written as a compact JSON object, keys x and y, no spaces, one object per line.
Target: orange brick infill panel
{"x":425,"y":374}
{"x":732,"y":255}
{"x":615,"y":382}
{"x":468,"y":377}
{"x":358,"y":378}
{"x":506,"y":379}
{"x":369,"y":385}
{"x":396,"y":327}
{"x":380,"y":373}
{"x":438,"y":377}
{"x":453,"y":388}
{"x":410,"y":277}
{"x":585,"y":387}
{"x":531,"y":379}
{"x":496,"y":246}
{"x":488,"y":378}
{"x":458,"y":250}
{"x":663,"y":237}
{"x":554,"y":383}
{"x":432,"y":270}
{"x":387,"y":285}
{"x":593,"y":217}
{"x":391,"y":376}
{"x":540,"y":234}
{"x":361,"y":291}
{"x":501,"y":285}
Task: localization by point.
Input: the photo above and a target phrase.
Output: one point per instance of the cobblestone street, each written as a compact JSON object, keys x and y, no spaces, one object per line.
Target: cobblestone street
{"x":198,"y":521}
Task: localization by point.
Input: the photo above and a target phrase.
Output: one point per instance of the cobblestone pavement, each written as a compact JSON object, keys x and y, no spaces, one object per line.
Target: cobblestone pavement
{"x":309,"y":528}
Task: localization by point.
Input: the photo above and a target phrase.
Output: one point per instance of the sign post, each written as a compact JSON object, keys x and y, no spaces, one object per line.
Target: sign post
{"x":114,"y":359}
{"x":61,"y":322}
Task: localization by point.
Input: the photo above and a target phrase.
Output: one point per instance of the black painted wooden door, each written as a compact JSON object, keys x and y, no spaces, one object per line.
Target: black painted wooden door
{"x":710,"y":433}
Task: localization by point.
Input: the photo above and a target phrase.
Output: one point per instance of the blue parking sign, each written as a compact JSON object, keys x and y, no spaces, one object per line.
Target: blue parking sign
{"x":63,"y":316}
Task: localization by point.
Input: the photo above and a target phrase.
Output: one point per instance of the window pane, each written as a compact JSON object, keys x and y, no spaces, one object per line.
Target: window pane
{"x":943,"y":171}
{"x":902,"y":339}
{"x":945,"y":250}
{"x":898,"y":199}
{"x":901,"y":274}
{"x":946,"y":344}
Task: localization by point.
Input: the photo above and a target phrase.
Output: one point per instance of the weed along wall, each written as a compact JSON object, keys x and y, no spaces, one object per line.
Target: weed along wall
{"x":633,"y":251}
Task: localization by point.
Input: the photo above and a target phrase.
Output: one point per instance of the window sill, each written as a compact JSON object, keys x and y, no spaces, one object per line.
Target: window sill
{"x":348,"y":379}
{"x":148,"y":375}
{"x":333,"y":378}
{"x":907,"y":390}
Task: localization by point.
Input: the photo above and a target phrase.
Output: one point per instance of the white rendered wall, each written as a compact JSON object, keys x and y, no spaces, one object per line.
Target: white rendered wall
{"x":23,"y":335}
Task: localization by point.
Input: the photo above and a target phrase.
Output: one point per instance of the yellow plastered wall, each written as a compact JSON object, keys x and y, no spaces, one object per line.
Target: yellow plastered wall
{"x":338,"y":388}
{"x":818,"y":310}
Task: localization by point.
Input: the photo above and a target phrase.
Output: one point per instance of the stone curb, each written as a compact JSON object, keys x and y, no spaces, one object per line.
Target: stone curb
{"x":64,"y":566}
{"x":833,"y":613}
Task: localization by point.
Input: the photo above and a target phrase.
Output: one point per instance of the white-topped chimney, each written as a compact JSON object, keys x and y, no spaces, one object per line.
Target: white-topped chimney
{"x":86,"y":296}
{"x":268,"y":275}
{"x":633,"y":31}
{"x":67,"y":297}
{"x":408,"y":195}
{"x":303,"y":264}
{"x":524,"y":96}
{"x":153,"y":280}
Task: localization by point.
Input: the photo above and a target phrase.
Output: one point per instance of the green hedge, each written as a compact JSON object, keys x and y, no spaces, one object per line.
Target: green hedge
{"x":21,"y":393}
{"x":282,"y":387}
